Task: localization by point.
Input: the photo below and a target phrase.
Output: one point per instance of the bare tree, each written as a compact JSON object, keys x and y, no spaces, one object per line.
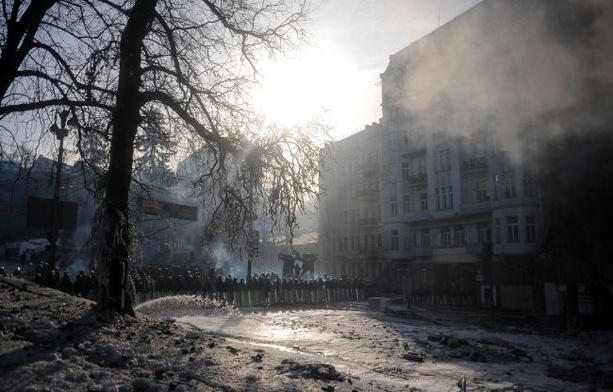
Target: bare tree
{"x":194,"y":62}
{"x":187,"y":58}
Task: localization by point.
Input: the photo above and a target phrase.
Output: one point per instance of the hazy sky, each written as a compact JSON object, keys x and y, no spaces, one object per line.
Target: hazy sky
{"x":337,"y":76}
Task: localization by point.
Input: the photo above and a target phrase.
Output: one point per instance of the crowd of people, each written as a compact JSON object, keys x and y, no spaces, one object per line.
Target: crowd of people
{"x":160,"y":280}
{"x":259,"y":290}
{"x":83,"y":284}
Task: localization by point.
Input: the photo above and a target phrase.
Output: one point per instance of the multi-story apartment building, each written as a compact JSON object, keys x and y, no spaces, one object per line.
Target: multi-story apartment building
{"x":350,"y":214}
{"x":465,"y":112}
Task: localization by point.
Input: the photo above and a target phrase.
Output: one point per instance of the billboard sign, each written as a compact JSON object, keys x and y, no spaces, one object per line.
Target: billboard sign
{"x":40,"y":212}
{"x":171,"y":210}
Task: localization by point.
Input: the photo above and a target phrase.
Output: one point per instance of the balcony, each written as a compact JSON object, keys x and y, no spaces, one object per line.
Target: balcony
{"x":417,"y":179}
{"x":482,"y":207}
{"x":419,"y":251}
{"x":475,"y":165}
{"x":474,"y":249}
{"x":407,"y":150}
{"x":369,"y":251}
{"x":369,"y":193}
{"x":369,"y":167}
{"x":368,"y":222}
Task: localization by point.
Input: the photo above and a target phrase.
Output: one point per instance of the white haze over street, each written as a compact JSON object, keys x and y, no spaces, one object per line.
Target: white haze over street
{"x":335,"y":77}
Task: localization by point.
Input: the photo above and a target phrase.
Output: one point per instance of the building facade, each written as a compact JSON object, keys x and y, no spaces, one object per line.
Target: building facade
{"x":466,"y":110}
{"x":350,"y":215}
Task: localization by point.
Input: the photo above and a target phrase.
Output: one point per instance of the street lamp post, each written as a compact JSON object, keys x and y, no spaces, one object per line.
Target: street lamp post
{"x":60,"y":132}
{"x":488,"y":250}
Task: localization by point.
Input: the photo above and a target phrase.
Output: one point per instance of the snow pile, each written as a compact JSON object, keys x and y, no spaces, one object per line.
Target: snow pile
{"x":50,"y":341}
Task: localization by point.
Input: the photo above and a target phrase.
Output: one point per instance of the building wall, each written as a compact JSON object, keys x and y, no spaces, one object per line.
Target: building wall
{"x":350,"y":206}
{"x":467,"y":113}
{"x":453,"y":153}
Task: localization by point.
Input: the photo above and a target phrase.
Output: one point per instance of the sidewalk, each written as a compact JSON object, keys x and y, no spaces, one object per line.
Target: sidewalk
{"x":479,"y":317}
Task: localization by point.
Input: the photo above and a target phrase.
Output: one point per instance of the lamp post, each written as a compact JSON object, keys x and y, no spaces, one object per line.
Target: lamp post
{"x":60,"y":132}
{"x":488,"y":251}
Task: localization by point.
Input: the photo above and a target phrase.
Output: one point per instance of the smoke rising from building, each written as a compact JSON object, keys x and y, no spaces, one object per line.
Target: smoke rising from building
{"x":510,"y":68}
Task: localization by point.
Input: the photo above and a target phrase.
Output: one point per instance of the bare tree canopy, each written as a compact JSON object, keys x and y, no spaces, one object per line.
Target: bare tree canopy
{"x":112,"y":63}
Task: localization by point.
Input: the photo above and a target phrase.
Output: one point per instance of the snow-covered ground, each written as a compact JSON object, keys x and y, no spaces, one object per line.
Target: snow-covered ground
{"x":396,"y":354}
{"x":50,"y":341}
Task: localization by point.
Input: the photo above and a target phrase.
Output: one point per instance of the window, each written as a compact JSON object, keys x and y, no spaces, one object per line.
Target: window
{"x":479,"y":149}
{"x":440,"y":198}
{"x":529,"y":187}
{"x":423,"y":201}
{"x":392,"y":172}
{"x":447,"y":159}
{"x":395,"y":241}
{"x":425,"y":238}
{"x":509,"y":188}
{"x":530,"y":228}
{"x":437,"y":161}
{"x":444,"y":193}
{"x":512,"y":228}
{"x":421,"y":166}
{"x":497,"y":231}
{"x":495,"y":186}
{"x":405,"y":171}
{"x":446,"y":237}
{"x":481,"y":191}
{"x":459,"y":237}
{"x":442,"y":160}
{"x":484,"y":233}
{"x":406,"y":204}
{"x":393,"y":206}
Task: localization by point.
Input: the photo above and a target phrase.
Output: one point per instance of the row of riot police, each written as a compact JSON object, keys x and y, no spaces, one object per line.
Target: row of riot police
{"x":258,"y":290}
{"x":83,"y":285}
{"x":155,"y":281}
{"x":265,"y":291}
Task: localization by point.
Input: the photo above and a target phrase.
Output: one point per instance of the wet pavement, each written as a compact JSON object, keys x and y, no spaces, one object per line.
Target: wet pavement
{"x":416,"y":348}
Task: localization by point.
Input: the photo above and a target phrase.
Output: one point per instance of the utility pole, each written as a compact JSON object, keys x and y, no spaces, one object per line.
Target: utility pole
{"x":252,"y":249}
{"x":60,"y":132}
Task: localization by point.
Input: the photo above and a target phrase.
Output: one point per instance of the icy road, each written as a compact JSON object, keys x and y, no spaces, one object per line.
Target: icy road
{"x":400,"y":354}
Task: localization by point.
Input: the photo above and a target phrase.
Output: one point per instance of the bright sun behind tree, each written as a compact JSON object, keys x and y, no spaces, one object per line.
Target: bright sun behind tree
{"x":312,"y":84}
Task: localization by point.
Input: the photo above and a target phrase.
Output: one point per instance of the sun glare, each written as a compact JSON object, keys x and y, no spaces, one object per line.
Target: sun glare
{"x":312,"y":84}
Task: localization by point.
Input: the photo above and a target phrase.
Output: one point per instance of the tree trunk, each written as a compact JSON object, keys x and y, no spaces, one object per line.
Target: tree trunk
{"x":18,"y":41}
{"x":115,"y":292}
